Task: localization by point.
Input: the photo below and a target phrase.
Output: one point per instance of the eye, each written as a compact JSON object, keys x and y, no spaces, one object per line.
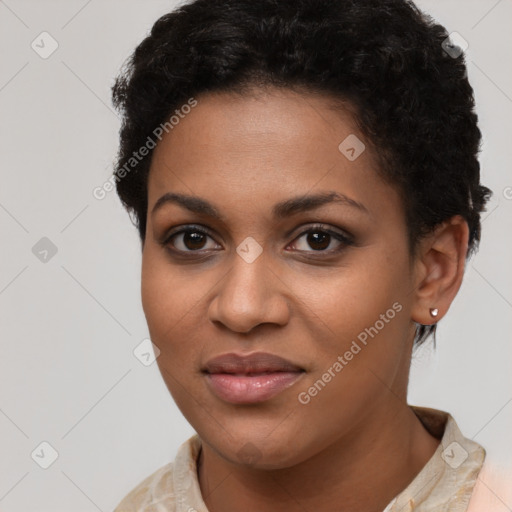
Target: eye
{"x":190,"y":239}
{"x":196,"y":239}
{"x":321,"y":239}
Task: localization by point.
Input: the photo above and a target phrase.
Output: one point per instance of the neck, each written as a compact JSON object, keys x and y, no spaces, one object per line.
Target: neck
{"x":382,"y":454}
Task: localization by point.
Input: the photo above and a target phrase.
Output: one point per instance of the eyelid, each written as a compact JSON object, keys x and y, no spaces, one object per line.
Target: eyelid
{"x":325,"y":228}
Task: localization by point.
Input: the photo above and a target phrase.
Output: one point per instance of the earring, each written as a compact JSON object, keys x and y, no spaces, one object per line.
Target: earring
{"x":434,"y":311}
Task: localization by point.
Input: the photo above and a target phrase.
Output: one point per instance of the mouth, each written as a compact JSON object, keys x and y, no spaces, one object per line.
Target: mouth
{"x":250,"y":388}
{"x":254,"y":378}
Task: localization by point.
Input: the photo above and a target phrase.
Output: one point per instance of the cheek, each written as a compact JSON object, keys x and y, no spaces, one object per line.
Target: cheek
{"x":169,"y":299}
{"x":353,"y":298}
{"x":363,"y":317}
{"x":170,"y":303}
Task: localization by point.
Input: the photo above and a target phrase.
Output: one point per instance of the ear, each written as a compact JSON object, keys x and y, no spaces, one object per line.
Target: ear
{"x":439,"y":268}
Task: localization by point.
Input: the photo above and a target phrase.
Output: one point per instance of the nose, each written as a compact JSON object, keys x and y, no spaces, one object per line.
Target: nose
{"x":248,"y":295}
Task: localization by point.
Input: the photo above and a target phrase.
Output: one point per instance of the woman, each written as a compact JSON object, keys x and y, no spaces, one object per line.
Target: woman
{"x":304,"y":178}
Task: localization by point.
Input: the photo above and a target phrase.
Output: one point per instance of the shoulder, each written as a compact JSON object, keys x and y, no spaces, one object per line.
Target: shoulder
{"x":156,"y":489}
{"x":493,"y":488}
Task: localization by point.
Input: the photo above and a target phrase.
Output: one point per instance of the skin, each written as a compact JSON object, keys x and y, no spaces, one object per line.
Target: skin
{"x":243,"y":154}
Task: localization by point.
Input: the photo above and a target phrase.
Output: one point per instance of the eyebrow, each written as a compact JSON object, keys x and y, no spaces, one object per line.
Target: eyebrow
{"x":280,"y":210}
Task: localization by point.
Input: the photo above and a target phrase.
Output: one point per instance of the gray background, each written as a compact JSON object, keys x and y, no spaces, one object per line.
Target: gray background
{"x":69,"y":325}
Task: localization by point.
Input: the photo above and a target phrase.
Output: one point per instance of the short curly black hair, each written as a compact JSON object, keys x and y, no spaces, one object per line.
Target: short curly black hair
{"x":385,"y":58}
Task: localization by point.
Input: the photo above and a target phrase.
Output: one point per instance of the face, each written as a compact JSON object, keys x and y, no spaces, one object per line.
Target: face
{"x":323,"y":283}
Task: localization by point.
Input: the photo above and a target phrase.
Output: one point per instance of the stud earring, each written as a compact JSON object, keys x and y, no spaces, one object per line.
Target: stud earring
{"x":434,"y":312}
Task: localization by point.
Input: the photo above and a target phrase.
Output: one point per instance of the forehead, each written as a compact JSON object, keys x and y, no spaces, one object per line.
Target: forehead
{"x":263,"y":147}
{"x":275,"y":121}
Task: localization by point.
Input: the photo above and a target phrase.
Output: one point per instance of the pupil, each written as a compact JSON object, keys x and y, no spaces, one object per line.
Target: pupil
{"x":193,"y":240}
{"x":318,"y":241}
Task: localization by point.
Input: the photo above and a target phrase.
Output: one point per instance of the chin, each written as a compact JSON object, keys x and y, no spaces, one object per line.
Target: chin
{"x":257,"y":452}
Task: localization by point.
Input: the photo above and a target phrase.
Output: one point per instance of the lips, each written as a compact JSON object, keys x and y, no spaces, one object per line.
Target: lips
{"x":259,"y":362}
{"x":253,"y":378}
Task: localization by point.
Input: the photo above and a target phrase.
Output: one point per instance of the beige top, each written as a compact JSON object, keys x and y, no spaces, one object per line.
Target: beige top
{"x":445,"y":483}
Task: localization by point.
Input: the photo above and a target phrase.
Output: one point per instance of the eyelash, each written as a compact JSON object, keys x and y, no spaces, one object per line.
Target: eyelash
{"x":317,"y":228}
